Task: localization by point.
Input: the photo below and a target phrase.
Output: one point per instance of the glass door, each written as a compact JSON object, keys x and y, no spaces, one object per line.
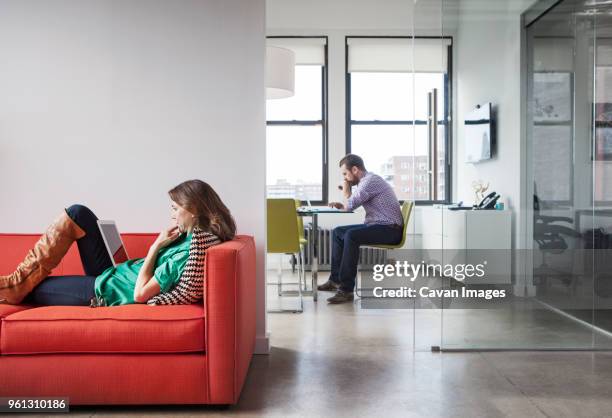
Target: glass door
{"x":433,"y":85}
{"x":560,"y":161}
{"x":406,"y":129}
{"x":600,"y":241}
{"x":550,"y":92}
{"x":483,"y":303}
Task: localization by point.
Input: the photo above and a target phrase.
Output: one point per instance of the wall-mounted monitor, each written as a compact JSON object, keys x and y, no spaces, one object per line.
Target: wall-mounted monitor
{"x":479,"y":134}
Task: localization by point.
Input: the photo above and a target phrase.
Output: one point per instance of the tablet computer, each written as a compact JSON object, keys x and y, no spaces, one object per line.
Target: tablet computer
{"x":114,"y":243}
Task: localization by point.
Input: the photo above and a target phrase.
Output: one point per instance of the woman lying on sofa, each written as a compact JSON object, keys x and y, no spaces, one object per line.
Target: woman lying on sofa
{"x":171,"y":273}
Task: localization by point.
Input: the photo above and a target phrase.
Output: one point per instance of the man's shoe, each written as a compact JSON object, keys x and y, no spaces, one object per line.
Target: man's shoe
{"x":341,"y":297}
{"x":328,"y":286}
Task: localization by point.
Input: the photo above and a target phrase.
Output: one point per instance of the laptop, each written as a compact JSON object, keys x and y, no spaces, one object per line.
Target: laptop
{"x":310,"y":208}
{"x":318,"y":209}
{"x":113,"y":242}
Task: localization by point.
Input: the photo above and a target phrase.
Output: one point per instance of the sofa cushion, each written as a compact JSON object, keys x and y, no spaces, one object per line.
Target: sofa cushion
{"x":117,"y":329}
{"x":6,"y":310}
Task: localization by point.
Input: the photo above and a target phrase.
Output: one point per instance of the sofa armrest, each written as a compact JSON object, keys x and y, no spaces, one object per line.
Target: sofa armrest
{"x":230,"y":310}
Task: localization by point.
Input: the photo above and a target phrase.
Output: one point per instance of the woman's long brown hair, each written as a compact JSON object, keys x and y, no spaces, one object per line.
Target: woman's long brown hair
{"x":199,"y":198}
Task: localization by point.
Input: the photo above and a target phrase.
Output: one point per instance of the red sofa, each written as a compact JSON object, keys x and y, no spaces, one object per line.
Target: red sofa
{"x":133,"y":354}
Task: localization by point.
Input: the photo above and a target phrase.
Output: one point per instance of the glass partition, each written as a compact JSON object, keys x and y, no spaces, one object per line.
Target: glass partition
{"x":599,"y":238}
{"x":559,"y":144}
{"x":399,"y":106}
{"x":571,"y":207}
{"x":551,"y":254}
{"x":501,"y":135}
{"x":433,"y":92}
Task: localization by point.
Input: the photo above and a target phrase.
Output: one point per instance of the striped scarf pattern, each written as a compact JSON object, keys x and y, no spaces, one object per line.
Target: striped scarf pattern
{"x":190,"y":287}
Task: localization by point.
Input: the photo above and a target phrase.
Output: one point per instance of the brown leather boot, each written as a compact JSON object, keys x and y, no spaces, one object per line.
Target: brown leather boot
{"x":40,"y":260}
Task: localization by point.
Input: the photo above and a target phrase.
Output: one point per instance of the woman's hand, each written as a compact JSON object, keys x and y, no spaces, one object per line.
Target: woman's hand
{"x":146,"y":285}
{"x":166,"y":237}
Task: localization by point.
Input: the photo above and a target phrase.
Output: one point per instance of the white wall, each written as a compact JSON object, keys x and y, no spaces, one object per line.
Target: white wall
{"x":488,"y":70}
{"x":110,"y":103}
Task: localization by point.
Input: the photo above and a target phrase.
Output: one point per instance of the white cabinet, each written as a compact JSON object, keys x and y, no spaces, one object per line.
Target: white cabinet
{"x":469,"y":237}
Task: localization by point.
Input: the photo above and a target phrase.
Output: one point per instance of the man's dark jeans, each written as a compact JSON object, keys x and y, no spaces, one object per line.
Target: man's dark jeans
{"x":346,"y":241}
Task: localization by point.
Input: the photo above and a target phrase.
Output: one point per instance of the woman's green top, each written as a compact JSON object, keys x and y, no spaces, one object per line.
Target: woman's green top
{"x":116,"y":284}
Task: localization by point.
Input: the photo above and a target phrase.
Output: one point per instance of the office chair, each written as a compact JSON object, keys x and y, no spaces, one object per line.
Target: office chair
{"x":283,"y":238}
{"x":407,"y":207}
{"x":551,"y":234}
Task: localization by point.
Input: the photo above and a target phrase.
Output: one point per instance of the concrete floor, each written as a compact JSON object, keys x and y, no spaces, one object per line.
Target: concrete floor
{"x":344,"y":361}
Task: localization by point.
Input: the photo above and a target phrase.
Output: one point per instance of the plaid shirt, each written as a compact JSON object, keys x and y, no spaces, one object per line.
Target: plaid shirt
{"x":378,"y":199}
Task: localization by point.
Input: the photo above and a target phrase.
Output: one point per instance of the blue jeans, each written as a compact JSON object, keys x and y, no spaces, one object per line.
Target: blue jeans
{"x":63,"y":290}
{"x":76,"y":290}
{"x":346,"y":241}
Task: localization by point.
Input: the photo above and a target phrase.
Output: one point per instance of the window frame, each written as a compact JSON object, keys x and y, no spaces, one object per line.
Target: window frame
{"x":556,"y":203}
{"x":323,"y":121}
{"x":447,"y":121}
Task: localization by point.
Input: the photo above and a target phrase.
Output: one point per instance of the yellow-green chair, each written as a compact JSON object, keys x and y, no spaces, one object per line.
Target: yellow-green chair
{"x":283,"y":238}
{"x":407,"y":207}
{"x":303,"y":243}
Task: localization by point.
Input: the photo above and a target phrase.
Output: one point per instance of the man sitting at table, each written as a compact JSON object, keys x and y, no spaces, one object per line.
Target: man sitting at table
{"x":383,"y":225}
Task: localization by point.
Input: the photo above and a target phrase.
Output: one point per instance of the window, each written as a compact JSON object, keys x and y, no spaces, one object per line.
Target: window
{"x":388,"y":84}
{"x":603,"y":123}
{"x":553,"y":119}
{"x":296,"y":135}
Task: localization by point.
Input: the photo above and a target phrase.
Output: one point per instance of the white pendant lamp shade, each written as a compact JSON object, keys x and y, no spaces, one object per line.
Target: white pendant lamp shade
{"x":280,"y":72}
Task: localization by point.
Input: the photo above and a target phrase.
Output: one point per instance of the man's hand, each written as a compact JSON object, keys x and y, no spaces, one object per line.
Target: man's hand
{"x":166,"y":237}
{"x":336,"y":205}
